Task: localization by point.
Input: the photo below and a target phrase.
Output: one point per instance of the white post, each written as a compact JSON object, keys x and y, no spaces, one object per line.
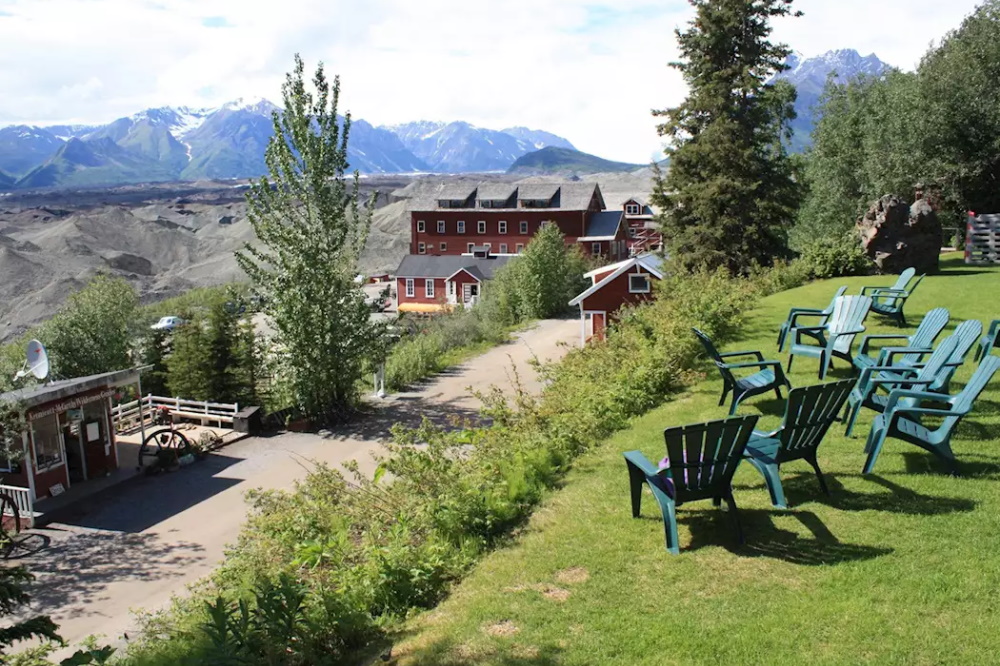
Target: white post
{"x":380,"y":381}
{"x":27,"y":460}
{"x":583,"y":327}
{"x":142,"y":417}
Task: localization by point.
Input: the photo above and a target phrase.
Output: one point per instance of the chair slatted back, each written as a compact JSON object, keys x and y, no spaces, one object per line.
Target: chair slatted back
{"x":713,"y":353}
{"x":967,"y":333}
{"x":930,"y":327}
{"x":704,"y":456}
{"x":936,"y":366}
{"x":809,"y":413}
{"x":904,"y":278}
{"x":833,"y":301}
{"x":962,"y":403}
{"x":849,"y":312}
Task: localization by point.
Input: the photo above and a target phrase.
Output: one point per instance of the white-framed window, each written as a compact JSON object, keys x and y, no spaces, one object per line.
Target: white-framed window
{"x":461,"y":226}
{"x":409,"y":288}
{"x":519,"y":248}
{"x":524,"y":226}
{"x":429,"y":288}
{"x":488,"y":246}
{"x":503,"y":226}
{"x":48,"y":444}
{"x":503,"y":248}
{"x":632,"y":209}
{"x":421,"y":226}
{"x":638,"y":283}
{"x":595,"y":249}
{"x":440,"y":226}
{"x":632,"y":231}
{"x":481,"y":226}
{"x":421,"y":248}
{"x":444,"y":247}
{"x":469,"y":247}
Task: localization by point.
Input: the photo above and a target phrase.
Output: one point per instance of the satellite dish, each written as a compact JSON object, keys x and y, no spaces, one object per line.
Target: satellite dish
{"x":36,"y":361}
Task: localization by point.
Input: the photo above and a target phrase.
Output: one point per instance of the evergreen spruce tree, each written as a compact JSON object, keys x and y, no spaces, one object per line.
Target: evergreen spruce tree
{"x":728,"y":195}
{"x":189,"y":366}
{"x":312,"y":227}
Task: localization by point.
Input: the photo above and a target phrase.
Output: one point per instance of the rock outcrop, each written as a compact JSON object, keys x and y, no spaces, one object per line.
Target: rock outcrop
{"x":896,"y":235}
{"x":130,"y":263}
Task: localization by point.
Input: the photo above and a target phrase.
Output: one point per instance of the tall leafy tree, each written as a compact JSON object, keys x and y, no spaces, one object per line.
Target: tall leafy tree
{"x":728,"y":195}
{"x":312,"y":226}
{"x":93,"y":332}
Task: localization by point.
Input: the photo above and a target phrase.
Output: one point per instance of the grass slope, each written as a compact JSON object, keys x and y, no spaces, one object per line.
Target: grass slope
{"x":902,"y":566}
{"x":559,"y":160}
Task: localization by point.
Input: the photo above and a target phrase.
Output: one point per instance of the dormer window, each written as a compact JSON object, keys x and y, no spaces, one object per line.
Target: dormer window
{"x":632,"y":209}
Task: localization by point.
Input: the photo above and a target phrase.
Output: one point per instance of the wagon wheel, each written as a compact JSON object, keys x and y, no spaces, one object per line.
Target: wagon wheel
{"x":162,"y":445}
{"x":10,"y":524}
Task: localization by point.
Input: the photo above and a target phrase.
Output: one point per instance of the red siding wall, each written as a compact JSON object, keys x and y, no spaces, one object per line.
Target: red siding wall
{"x":419,"y":291}
{"x":571,"y":223}
{"x":616,"y":294}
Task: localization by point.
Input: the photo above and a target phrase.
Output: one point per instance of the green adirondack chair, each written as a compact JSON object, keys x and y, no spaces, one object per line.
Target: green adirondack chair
{"x":903,"y":411}
{"x":769,"y":378}
{"x":916,"y":346}
{"x":967,"y":333}
{"x":795,"y":313}
{"x":834,"y":338}
{"x":889,"y":301}
{"x":988,"y":341}
{"x":808,"y":415}
{"x":700,"y":463}
{"x":865,"y":392}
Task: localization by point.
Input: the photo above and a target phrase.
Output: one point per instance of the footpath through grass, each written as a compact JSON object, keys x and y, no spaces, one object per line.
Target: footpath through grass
{"x":902,"y":566}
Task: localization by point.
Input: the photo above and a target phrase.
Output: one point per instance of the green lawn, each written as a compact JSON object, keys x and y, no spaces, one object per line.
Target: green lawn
{"x":902,"y":566}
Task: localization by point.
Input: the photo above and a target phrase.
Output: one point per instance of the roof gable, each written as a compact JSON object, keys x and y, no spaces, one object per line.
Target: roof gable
{"x":650,"y":263}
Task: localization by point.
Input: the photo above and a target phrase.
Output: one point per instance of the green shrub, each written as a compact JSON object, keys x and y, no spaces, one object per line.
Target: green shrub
{"x":364,"y":552}
{"x":835,"y":256}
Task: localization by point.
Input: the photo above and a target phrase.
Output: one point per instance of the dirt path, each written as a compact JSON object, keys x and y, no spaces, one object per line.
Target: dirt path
{"x":136,"y":545}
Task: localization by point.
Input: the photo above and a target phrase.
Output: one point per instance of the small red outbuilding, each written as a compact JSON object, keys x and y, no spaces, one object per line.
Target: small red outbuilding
{"x":624,"y":283}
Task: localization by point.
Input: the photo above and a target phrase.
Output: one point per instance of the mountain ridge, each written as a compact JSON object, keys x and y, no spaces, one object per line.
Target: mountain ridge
{"x":226,"y":142}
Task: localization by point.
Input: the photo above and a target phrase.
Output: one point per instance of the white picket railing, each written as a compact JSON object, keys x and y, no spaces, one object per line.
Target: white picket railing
{"x":25,"y":507}
{"x":125,"y":416}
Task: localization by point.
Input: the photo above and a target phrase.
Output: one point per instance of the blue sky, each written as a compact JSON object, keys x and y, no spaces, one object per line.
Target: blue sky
{"x":589,"y":71}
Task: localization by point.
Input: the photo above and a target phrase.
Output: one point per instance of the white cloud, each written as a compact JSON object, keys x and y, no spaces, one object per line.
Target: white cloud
{"x":589,"y":73}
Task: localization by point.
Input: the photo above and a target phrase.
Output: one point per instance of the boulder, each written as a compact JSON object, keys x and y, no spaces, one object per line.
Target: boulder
{"x":896,"y":235}
{"x":130,"y":263}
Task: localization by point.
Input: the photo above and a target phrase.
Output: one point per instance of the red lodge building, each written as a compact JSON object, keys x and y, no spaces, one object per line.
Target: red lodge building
{"x":502,"y":218}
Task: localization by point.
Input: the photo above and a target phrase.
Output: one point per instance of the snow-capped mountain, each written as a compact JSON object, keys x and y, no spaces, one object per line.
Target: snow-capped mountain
{"x":184,"y":143}
{"x":809,"y":76}
{"x":460,"y":147}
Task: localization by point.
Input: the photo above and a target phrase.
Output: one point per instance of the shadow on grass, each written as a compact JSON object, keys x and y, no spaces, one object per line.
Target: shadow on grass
{"x":969,"y":465}
{"x":803,"y":488}
{"x":765,"y":539}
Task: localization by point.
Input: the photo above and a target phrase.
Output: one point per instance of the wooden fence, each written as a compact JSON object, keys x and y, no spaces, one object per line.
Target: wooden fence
{"x":25,"y":507}
{"x":125,"y":416}
{"x":982,"y":239}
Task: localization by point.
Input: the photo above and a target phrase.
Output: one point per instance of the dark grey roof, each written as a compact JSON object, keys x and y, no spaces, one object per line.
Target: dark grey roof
{"x":496,"y":191}
{"x":456,"y":192}
{"x":422,"y":266}
{"x":537,"y":191}
{"x":64,"y":388}
{"x":604,"y":223}
{"x":577,"y":196}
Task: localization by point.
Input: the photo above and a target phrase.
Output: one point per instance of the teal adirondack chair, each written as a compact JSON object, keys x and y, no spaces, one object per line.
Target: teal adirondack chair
{"x":967,"y":333}
{"x":865,"y":392}
{"x":834,"y":338}
{"x":903,"y":411}
{"x":769,"y":377}
{"x":808,"y":415}
{"x":700,"y":463}
{"x":795,"y":313}
{"x":916,"y":346}
{"x":988,"y":341}
{"x":889,"y":301}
